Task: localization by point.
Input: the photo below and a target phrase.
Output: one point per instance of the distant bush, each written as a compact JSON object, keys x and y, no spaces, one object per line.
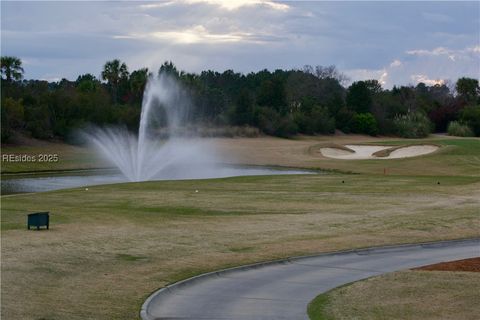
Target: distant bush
{"x":459,"y":129}
{"x":229,"y":131}
{"x":344,"y":119}
{"x":209,"y":131}
{"x":286,"y":127}
{"x":317,"y":120}
{"x":471,"y":116}
{"x":365,"y":123}
{"x":38,"y":130}
{"x":324,"y":123}
{"x":412,"y":125}
{"x":271,"y":122}
{"x":267,"y":120}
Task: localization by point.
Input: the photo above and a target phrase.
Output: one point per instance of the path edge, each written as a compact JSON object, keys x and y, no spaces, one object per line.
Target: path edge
{"x":157,"y":294}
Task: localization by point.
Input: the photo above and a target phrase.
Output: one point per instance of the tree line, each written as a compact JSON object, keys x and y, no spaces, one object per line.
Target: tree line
{"x":312,"y":100}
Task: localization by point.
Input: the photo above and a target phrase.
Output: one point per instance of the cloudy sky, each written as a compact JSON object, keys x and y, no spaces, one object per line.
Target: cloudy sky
{"x":394,"y":42}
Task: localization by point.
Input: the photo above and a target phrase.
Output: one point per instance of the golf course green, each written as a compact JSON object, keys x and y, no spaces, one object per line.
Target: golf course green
{"x":110,"y":246}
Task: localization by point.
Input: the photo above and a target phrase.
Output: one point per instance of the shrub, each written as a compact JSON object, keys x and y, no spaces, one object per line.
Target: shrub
{"x":225,"y":131}
{"x":459,"y":129}
{"x":324,"y":123}
{"x":286,"y":127}
{"x":317,"y":120}
{"x":344,"y":119}
{"x":412,"y":125}
{"x":267,"y":120}
{"x":14,"y":112}
{"x":471,"y":116}
{"x":365,"y":123}
{"x":38,"y":130}
{"x":272,"y":123}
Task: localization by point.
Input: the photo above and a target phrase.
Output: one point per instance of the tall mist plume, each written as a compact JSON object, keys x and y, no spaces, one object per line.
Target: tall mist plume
{"x":152,"y":154}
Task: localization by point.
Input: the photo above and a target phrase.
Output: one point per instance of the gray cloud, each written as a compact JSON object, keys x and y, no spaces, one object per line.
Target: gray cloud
{"x":64,"y":39}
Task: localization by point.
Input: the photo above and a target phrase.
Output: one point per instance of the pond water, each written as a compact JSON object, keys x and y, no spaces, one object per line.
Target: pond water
{"x":12,"y":184}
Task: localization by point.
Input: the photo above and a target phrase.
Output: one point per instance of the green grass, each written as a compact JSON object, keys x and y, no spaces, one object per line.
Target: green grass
{"x":457,"y":156}
{"x":239,"y":196}
{"x":129,"y":239}
{"x":129,"y":257}
{"x":110,"y":246}
{"x":316,"y":308}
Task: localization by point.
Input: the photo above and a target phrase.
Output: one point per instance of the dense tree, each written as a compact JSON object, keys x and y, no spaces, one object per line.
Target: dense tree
{"x":11,"y":68}
{"x":373,"y":86}
{"x":114,"y":72}
{"x":87,"y":83}
{"x":137,"y":81}
{"x":406,"y":96}
{"x":272,"y":93}
{"x":282,"y":102}
{"x":170,"y":69}
{"x":468,"y":89}
{"x":244,"y":113}
{"x":359,"y":97}
{"x":13,"y":116}
{"x":471,"y":116}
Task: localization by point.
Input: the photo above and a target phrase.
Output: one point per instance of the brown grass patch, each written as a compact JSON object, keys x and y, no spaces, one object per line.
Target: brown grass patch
{"x":467,"y":265}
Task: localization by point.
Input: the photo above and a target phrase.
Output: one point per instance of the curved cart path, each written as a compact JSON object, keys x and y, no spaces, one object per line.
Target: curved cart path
{"x":283,"y":289}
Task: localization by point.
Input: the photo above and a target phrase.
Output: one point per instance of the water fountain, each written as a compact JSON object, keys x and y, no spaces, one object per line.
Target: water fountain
{"x":160,"y":150}
{"x":144,"y":156}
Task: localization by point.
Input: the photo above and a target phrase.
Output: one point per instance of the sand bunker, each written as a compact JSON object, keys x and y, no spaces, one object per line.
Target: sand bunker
{"x":411,"y":151}
{"x":369,"y":152}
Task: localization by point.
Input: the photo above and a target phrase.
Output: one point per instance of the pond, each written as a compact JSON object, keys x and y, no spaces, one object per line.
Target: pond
{"x":25,"y":183}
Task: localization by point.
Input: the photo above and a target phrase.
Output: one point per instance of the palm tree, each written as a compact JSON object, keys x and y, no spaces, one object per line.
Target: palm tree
{"x":11,"y":68}
{"x":138,"y":79}
{"x":114,"y":72}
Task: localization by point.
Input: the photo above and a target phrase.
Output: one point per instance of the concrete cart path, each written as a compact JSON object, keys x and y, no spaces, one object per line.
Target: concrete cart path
{"x":283,"y":289}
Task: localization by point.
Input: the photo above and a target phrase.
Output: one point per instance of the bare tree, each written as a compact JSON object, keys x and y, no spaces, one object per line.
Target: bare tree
{"x":327,"y":72}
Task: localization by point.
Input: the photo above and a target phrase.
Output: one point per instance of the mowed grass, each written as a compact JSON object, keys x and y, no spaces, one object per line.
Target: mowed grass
{"x":455,"y":156}
{"x":110,"y":246}
{"x":428,"y":295}
{"x":69,"y":158}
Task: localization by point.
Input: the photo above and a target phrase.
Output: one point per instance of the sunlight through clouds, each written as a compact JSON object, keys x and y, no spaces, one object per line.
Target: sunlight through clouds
{"x":398,"y":43}
{"x":196,"y":34}
{"x":236,"y":4}
{"x":224,"y":4}
{"x":199,"y":34}
{"x":417,"y":78}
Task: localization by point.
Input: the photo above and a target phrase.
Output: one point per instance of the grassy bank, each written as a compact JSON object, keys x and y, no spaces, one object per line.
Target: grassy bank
{"x":403,"y":295}
{"x":110,"y":246}
{"x":456,"y":157}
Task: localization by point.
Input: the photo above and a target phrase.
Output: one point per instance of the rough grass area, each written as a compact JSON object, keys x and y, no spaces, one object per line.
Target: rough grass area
{"x":69,"y":158}
{"x":112,"y":245}
{"x":456,"y":156}
{"x":403,"y":295}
